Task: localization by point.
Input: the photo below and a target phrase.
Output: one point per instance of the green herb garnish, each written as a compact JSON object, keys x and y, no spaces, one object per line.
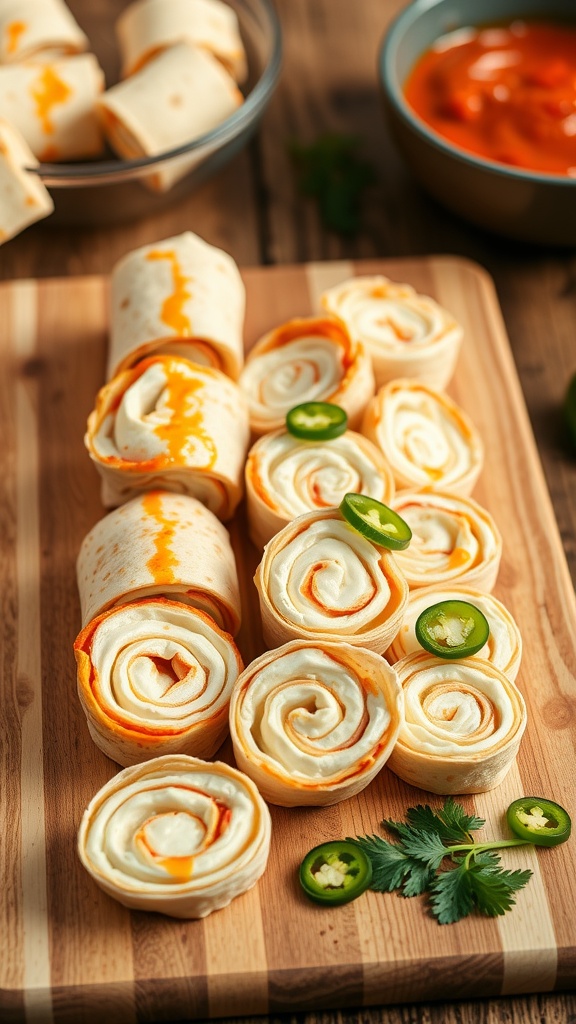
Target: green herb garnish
{"x":330,"y":171}
{"x":416,"y":863}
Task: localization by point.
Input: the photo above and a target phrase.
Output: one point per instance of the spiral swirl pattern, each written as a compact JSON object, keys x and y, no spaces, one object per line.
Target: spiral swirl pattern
{"x":405,"y":334}
{"x":464,"y":721}
{"x":176,"y":835}
{"x":427,"y":439}
{"x":312,"y":724}
{"x":453,"y":540}
{"x":155,"y":677}
{"x":286,"y":477}
{"x":503,"y":647}
{"x":319,"y":578}
{"x":305,"y":360}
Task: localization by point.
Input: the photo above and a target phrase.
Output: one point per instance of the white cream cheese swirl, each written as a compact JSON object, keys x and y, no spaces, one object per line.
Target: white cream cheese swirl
{"x":463,"y":724}
{"x":155,"y":677}
{"x":321,"y":579}
{"x":305,"y":360}
{"x":286,"y":477}
{"x":406,"y":334}
{"x":168,"y":423}
{"x":453,"y":540}
{"x":176,"y":835}
{"x":503,"y":647}
{"x":427,"y":439}
{"x":313,"y":724}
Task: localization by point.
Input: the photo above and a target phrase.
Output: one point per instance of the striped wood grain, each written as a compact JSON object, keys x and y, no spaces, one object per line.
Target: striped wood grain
{"x":73,"y":954}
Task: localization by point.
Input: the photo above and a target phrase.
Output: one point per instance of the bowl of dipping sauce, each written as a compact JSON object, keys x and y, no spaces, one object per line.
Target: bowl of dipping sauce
{"x":481,"y":99}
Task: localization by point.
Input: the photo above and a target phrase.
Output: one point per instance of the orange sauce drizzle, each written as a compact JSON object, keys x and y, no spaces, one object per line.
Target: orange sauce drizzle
{"x":458,"y":557}
{"x":163,"y":561}
{"x":13,"y":32}
{"x":401,"y":334}
{"x":173,"y":307}
{"x":48,"y":91}
{"x":183,"y":424}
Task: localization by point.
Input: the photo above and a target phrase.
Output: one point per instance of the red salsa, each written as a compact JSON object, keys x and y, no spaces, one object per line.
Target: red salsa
{"x":504,"y":93}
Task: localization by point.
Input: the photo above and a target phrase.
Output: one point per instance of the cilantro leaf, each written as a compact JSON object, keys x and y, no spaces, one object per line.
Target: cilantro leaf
{"x":457,"y":823}
{"x":451,"y":895}
{"x":330,"y":171}
{"x":418,"y":881}
{"x":426,"y":847}
{"x":449,"y":822}
{"x":493,"y":887}
{"x":389,"y":864}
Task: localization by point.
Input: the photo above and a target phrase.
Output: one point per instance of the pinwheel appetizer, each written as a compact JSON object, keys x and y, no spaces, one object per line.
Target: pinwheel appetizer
{"x":148,"y":26}
{"x":320,"y":579}
{"x":314,"y":723}
{"x":454,"y":540}
{"x":52,"y":104}
{"x":287,"y":476}
{"x":160,"y":545}
{"x":23,"y":197}
{"x":405,"y":334}
{"x":176,"y":835}
{"x":305,"y":360}
{"x":172,"y":425}
{"x":503,"y":647}
{"x":28,"y":29}
{"x":179,"y":296}
{"x":155,"y":677}
{"x":427,"y":439}
{"x":179,"y":95}
{"x":464,"y":722}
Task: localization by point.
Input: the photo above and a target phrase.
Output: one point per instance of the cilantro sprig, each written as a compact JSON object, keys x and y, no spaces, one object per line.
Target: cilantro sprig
{"x":435,"y":853}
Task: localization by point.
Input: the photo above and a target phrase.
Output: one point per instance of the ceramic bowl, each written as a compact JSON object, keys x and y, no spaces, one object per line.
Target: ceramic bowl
{"x":520,"y":204}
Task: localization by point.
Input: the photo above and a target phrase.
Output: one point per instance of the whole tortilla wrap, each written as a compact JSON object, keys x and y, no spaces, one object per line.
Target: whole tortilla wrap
{"x":28,"y":28}
{"x":23,"y":197}
{"x":178,"y":96}
{"x":160,"y":544}
{"x":172,"y":425}
{"x":181,"y":296}
{"x":52,"y":103}
{"x":148,"y":26}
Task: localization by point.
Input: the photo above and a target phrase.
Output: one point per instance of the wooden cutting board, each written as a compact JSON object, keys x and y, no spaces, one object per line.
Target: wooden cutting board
{"x":69,"y":952}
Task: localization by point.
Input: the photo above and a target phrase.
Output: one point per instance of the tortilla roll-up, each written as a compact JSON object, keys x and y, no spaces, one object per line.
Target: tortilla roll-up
{"x":148,"y":26}
{"x":463,"y":724}
{"x":180,"y":296}
{"x":28,"y":28}
{"x":23,"y":197}
{"x":503,"y":647}
{"x":454,"y":540}
{"x":52,"y":104}
{"x":171,"y":425}
{"x":176,"y":835}
{"x":405,"y":334}
{"x":319,"y":579}
{"x":305,"y":360}
{"x":155,"y":677}
{"x":425,"y":436}
{"x":286,"y":477}
{"x":160,"y":545}
{"x":312,"y":724}
{"x":178,"y":96}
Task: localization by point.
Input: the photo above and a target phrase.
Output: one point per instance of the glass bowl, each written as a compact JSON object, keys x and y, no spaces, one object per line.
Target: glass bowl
{"x":110,"y":190}
{"x":520,"y":204}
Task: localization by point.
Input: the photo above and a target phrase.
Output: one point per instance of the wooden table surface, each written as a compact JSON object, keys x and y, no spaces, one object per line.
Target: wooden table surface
{"x":253,"y":210}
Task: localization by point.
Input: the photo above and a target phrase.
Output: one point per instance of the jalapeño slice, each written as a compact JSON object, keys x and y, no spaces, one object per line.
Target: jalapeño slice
{"x":540,"y":821}
{"x":316,"y":421}
{"x":376,"y":521}
{"x":335,"y":873}
{"x":452,"y":629}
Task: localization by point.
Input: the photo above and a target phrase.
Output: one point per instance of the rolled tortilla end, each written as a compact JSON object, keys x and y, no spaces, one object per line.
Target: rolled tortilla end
{"x":23,"y":197}
{"x":31,"y":28}
{"x":147,"y":27}
{"x":179,"y":96}
{"x":178,"y":296}
{"x":160,"y":544}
